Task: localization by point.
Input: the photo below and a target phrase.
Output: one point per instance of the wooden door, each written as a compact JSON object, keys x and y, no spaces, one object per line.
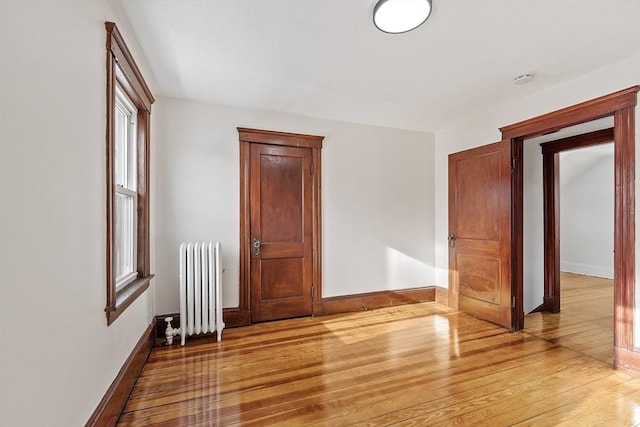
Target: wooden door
{"x":480,"y":232}
{"x":281,"y":231}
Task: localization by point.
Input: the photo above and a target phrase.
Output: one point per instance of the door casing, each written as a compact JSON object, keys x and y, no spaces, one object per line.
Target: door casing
{"x":242,"y":313}
{"x":620,"y":105}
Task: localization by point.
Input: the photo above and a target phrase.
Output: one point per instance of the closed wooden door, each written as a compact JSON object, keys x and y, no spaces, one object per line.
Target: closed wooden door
{"x":281,"y":265}
{"x":480,"y":232}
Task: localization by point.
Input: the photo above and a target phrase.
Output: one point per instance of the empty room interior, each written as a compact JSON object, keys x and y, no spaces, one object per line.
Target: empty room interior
{"x":303,"y":212}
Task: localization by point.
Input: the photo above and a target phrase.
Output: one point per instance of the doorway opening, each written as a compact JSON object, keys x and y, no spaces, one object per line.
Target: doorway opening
{"x":621,"y":106}
{"x":552,"y":153}
{"x":578,"y":212}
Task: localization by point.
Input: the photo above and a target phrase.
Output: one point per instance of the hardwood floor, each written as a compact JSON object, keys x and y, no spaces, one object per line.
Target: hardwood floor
{"x":413,"y":365}
{"x":585,"y":321}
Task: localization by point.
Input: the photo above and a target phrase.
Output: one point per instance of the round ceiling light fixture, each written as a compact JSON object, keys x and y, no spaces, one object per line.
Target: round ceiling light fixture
{"x":400,"y":16}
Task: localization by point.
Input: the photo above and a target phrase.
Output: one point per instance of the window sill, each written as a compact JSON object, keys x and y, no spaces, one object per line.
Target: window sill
{"x":126,"y":296}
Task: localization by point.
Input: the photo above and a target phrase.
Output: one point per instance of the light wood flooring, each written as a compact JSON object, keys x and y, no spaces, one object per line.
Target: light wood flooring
{"x":585,"y":321}
{"x":412,"y":365}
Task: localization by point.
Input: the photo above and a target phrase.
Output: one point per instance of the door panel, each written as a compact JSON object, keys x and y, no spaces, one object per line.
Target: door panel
{"x":478,"y":274}
{"x":281,"y":279}
{"x":478,"y":216}
{"x":280,"y":182}
{"x":480,"y":232}
{"x":281,"y":272}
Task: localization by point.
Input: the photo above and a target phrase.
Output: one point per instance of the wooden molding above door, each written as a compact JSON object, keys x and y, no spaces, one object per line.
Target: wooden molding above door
{"x":580,"y":113}
{"x":257,"y":136}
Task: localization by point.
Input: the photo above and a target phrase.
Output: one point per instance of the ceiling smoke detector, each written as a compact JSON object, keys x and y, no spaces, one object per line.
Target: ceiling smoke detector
{"x":523,"y":79}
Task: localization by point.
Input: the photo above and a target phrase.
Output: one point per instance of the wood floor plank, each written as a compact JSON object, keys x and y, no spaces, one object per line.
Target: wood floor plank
{"x":362,"y":404}
{"x":420,"y":364}
{"x":337,"y":364}
{"x":551,"y":409}
{"x":585,"y":322}
{"x":623,"y":411}
{"x":356,"y":370}
{"x":524,"y":387}
{"x":561,"y":408}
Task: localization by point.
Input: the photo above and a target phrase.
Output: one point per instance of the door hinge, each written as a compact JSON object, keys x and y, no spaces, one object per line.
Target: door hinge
{"x":514,"y":163}
{"x":311,"y":170}
{"x":313,"y":292}
{"x":513,"y":302}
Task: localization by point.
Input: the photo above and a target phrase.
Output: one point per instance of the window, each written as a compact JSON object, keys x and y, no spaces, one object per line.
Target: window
{"x":126,"y":199}
{"x":128,"y":122}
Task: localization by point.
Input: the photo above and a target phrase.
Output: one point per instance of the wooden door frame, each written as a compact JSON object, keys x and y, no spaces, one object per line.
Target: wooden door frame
{"x":551,"y":207}
{"x":242,"y":313}
{"x":620,"y":105}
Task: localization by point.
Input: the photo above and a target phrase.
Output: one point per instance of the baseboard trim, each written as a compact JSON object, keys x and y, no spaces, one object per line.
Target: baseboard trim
{"x":442,"y":295}
{"x":587,"y":269}
{"x":371,"y":300}
{"x":233,"y":318}
{"x":626,"y":360}
{"x":115,"y":399}
{"x":161,"y":325}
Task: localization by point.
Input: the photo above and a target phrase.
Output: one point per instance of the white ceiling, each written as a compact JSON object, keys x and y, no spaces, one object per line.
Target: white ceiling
{"x":324,"y":58}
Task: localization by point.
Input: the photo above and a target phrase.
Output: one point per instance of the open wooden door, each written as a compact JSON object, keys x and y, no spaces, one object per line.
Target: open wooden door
{"x":480,"y":232}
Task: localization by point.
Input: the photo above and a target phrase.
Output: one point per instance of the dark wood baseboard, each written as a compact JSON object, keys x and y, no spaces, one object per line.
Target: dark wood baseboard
{"x":371,"y":300}
{"x":552,"y":305}
{"x":161,"y":325}
{"x":114,"y":400}
{"x":627,"y":360}
{"x":442,"y":295}
{"x":232,"y":317}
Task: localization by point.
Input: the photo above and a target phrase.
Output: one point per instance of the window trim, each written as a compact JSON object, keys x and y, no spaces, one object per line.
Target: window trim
{"x":123,"y":71}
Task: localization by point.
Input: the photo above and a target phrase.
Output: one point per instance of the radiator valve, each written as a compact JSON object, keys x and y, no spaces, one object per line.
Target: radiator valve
{"x":170,"y":332}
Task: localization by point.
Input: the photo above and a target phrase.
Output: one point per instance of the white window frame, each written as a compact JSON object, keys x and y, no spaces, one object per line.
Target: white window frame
{"x":126,"y":185}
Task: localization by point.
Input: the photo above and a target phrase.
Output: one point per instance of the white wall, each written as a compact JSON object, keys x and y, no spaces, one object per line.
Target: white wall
{"x":484,"y":128}
{"x":586,"y":211}
{"x":377,"y":197}
{"x":533,"y":245}
{"x":58,"y":356}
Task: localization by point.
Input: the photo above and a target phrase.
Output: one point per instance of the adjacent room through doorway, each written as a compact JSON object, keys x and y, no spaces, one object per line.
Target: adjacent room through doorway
{"x":578,"y":194}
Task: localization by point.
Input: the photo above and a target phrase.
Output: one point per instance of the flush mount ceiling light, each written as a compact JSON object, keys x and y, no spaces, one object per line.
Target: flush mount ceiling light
{"x":400,"y":16}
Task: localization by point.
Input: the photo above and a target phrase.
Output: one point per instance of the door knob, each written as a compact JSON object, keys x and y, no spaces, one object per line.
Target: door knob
{"x":452,"y":240}
{"x":255,"y":246}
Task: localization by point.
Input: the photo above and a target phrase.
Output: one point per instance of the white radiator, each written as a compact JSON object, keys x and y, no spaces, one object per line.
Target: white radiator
{"x":200,"y":289}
